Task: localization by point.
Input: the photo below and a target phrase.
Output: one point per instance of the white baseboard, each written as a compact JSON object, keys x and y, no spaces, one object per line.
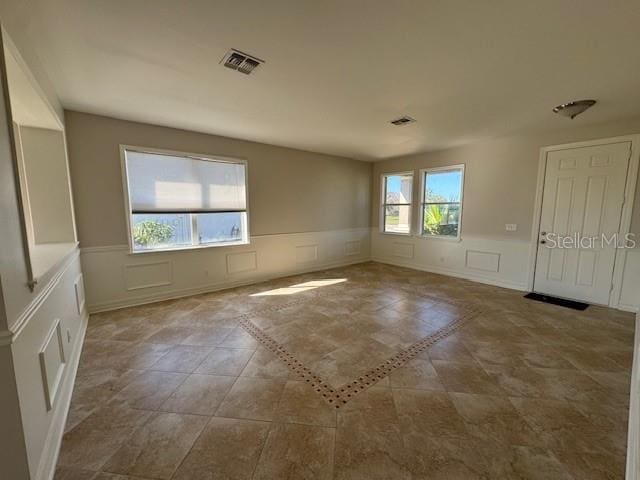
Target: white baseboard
{"x":628,"y":308}
{"x":214,"y":287}
{"x":454,"y":273}
{"x":633,"y":439}
{"x":49,"y":458}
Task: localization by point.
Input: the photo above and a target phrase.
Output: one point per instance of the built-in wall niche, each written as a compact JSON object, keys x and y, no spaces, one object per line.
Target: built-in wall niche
{"x":42,"y":167}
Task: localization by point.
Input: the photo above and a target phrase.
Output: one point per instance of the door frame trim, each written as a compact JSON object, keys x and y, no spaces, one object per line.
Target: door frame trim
{"x":627,"y":208}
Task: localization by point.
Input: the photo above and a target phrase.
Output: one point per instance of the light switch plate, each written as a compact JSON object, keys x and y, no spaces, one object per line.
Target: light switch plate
{"x":511,"y":227}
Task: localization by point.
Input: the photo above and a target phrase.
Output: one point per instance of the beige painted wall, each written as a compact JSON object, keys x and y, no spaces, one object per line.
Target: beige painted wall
{"x":45,"y":168}
{"x":289,"y":190}
{"x":500,"y":177}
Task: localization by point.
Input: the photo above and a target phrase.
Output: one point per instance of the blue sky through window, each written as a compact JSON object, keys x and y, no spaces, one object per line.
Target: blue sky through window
{"x":443,"y":186}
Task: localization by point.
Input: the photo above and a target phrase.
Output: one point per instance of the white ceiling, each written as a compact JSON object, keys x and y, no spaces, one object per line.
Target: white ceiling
{"x":337,"y":71}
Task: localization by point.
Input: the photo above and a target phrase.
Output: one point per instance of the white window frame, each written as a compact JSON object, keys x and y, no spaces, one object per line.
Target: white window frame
{"x":422,"y":203}
{"x":383,"y":204}
{"x":194,"y":234}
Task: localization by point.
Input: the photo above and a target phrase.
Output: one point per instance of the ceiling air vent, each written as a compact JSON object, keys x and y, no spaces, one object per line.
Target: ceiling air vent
{"x":242,"y":62}
{"x":403,"y":120}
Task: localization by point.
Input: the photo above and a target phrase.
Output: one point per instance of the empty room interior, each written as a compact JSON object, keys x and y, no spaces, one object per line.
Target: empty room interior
{"x":319,"y":240}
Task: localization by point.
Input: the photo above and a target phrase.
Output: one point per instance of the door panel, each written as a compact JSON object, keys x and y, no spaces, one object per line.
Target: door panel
{"x":562,"y":211}
{"x":596,"y":194}
{"x":587,"y":262}
{"x":582,"y":202}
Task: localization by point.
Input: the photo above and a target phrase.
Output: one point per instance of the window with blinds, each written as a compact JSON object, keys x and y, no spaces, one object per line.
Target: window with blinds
{"x":183,"y":201}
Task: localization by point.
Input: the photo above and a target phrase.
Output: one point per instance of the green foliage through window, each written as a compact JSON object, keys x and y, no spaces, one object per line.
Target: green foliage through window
{"x":432,"y":219}
{"x":441,"y":202}
{"x":149,"y":233}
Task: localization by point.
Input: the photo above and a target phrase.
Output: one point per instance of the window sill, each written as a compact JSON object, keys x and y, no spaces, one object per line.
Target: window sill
{"x":396,"y":233}
{"x":188,"y":248}
{"x":442,"y":238}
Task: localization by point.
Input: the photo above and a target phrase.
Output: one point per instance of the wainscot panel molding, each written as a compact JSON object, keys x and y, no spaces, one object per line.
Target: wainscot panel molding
{"x":148,"y":274}
{"x":46,"y":349}
{"x":241,"y":262}
{"x":485,"y":261}
{"x":307,"y":253}
{"x":52,"y":363}
{"x":53,"y":441}
{"x":402,"y":249}
{"x":352,"y":247}
{"x":208,"y":269}
{"x":503,"y":263}
{"x":78,"y":287}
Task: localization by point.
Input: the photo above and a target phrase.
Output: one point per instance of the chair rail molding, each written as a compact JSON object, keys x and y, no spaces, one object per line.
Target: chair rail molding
{"x":9,"y":336}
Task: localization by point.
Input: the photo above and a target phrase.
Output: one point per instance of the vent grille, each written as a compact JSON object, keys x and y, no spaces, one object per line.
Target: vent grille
{"x":402,"y":120}
{"x":240,"y":61}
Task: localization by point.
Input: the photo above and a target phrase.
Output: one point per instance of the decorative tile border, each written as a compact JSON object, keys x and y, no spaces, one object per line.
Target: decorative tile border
{"x":339,"y":396}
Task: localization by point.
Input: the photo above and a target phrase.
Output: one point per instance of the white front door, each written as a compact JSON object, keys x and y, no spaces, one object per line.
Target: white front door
{"x":582,"y":202}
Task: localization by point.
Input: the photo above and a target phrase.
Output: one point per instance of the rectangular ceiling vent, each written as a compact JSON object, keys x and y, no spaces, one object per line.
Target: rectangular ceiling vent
{"x":403,"y":120}
{"x":240,"y":61}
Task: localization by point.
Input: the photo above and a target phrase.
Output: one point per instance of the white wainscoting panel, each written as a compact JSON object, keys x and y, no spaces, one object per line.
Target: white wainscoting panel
{"x":403,"y":249}
{"x":497,"y":262}
{"x":52,"y":363}
{"x":242,"y":262}
{"x":485,"y":261}
{"x":208,"y":269}
{"x":352,"y":247}
{"x":78,"y":287}
{"x":306,"y":253}
{"x":38,"y":356}
{"x":148,"y":275}
{"x":500,"y":262}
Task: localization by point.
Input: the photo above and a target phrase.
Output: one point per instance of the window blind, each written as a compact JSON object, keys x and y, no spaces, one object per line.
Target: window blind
{"x":160,"y":183}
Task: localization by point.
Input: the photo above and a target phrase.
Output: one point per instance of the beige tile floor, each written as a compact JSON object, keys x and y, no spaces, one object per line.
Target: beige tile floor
{"x":481,"y":384}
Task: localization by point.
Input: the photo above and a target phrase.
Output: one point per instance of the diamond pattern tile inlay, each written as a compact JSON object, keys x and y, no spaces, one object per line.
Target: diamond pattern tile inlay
{"x":341,"y":356}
